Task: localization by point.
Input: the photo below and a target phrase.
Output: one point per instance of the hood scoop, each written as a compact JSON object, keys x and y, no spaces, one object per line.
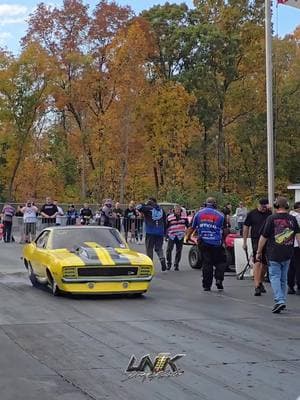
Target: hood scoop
{"x":85,"y":252}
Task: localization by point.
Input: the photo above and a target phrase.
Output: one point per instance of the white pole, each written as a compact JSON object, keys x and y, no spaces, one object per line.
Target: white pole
{"x":270,"y":134}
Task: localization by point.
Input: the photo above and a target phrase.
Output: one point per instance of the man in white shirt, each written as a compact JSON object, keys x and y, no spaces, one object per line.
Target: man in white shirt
{"x":30,"y":219}
{"x":241,"y":214}
{"x":59,"y":214}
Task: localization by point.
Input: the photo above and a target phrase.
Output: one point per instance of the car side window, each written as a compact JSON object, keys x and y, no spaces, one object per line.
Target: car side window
{"x":42,"y":240}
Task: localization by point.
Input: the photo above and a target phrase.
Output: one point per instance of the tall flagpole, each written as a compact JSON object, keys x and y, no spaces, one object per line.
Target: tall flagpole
{"x":270,"y":134}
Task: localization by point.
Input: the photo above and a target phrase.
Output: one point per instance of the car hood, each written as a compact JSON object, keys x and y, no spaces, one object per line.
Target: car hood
{"x":93,"y":254}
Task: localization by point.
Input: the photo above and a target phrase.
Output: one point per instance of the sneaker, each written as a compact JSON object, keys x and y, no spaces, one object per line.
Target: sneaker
{"x":169,"y":266}
{"x":163,"y":265}
{"x":298,"y":292}
{"x":176,"y":268}
{"x":219,"y":285}
{"x":277,"y":308}
{"x":206,"y":289}
{"x":257,"y":291}
{"x":262,"y":288}
{"x":291,"y":291}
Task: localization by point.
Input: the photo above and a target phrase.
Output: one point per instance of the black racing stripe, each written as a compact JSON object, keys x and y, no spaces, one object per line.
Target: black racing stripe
{"x":90,"y":261}
{"x":118,"y":258}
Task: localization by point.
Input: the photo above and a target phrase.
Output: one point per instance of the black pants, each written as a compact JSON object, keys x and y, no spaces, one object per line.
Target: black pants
{"x":294,"y":269}
{"x":171,"y":244}
{"x":154,"y":242}
{"x":212,"y":257}
{"x":7,"y":225}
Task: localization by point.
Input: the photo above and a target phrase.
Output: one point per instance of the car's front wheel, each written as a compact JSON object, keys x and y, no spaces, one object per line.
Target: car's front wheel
{"x":31,"y":275}
{"x":52,"y":284}
{"x":195,"y":259}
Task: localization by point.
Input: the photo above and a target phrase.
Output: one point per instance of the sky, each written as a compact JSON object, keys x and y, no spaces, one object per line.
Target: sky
{"x":13,"y":14}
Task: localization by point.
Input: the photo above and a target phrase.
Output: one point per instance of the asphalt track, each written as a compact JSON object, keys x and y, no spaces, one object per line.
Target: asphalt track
{"x":73,"y":348}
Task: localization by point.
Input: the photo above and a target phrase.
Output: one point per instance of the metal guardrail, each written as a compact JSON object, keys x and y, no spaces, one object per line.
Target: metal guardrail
{"x":132,"y":228}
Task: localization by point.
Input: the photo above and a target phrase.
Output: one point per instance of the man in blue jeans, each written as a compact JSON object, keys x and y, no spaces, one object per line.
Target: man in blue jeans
{"x":279,"y":233}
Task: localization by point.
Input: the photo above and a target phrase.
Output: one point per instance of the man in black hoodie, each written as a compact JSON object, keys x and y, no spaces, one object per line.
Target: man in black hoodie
{"x":155,"y":225}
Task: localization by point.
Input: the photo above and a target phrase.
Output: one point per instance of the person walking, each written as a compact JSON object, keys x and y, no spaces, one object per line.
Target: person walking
{"x":155,"y":226}
{"x":209,"y":224}
{"x":254,"y":224}
{"x":177,"y":223}
{"x":294,"y":269}
{"x":241,"y":214}
{"x":8,"y":213}
{"x":30,"y":212}
{"x":279,"y":232}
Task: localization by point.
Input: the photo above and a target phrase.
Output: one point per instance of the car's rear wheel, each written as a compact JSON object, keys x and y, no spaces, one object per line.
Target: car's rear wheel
{"x":31,"y":275}
{"x":52,"y":284}
{"x":195,"y":258}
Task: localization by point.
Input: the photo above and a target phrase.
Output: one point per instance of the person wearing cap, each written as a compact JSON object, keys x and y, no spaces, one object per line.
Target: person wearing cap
{"x":294,"y":269}
{"x":254,"y":224}
{"x":280,"y":231}
{"x":209,"y":224}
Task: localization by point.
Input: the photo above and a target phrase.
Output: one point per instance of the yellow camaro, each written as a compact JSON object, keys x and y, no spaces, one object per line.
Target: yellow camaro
{"x":86,"y":260}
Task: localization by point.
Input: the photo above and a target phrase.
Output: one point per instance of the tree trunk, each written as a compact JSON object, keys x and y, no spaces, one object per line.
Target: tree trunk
{"x":221,"y":153}
{"x":124,"y":162}
{"x":205,"y":164}
{"x":83,"y":177}
{"x":156,"y":181}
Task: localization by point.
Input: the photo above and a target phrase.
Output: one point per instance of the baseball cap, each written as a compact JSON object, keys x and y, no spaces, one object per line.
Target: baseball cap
{"x":263,"y":202}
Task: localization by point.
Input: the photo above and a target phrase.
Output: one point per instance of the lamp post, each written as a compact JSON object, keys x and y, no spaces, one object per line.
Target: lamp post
{"x":270,"y":133}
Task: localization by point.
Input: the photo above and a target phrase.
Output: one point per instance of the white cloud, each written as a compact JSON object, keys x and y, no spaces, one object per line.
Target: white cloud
{"x":4,"y":36}
{"x":12,"y":10}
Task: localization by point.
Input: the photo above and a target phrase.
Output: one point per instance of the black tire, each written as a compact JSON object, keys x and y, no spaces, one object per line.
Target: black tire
{"x":230,"y":261}
{"x":53,"y":285}
{"x":195,"y":258}
{"x":137,"y":295}
{"x":31,"y":275}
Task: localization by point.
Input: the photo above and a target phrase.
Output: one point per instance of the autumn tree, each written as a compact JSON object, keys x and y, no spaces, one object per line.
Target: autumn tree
{"x":23,"y":87}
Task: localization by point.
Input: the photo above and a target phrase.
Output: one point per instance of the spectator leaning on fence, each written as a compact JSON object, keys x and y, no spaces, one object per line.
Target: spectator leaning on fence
{"x":85,"y":214}
{"x":118,"y":214}
{"x":130,"y":216}
{"x":30,"y":212}
{"x":7,"y":218}
{"x":49,"y":212}
{"x":60,"y":213}
{"x":107,"y":213}
{"x":241,"y":214}
{"x":72,"y":215}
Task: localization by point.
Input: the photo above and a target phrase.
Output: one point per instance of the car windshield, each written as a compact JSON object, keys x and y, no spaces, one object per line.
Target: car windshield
{"x":75,"y":237}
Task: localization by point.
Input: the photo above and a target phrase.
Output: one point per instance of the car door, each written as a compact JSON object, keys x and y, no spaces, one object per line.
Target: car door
{"x":40,"y":256}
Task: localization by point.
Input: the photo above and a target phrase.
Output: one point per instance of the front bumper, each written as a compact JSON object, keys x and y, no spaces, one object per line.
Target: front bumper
{"x":102,"y":279}
{"x":105,"y":287}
